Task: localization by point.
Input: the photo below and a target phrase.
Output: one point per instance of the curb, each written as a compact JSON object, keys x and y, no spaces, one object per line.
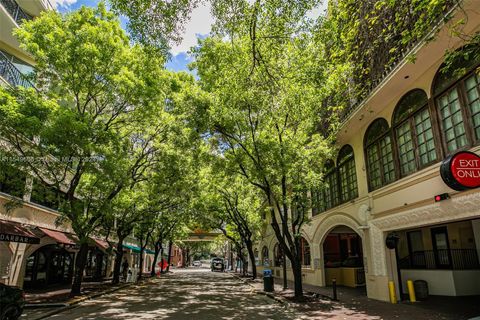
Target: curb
{"x":73,"y":302}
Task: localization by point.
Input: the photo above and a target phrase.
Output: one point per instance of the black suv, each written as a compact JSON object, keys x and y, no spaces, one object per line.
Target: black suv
{"x":217,"y":264}
{"x":12,"y":301}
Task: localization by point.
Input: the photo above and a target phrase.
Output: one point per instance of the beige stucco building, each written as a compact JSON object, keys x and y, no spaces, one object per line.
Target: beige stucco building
{"x":37,"y":247}
{"x":387,"y":175}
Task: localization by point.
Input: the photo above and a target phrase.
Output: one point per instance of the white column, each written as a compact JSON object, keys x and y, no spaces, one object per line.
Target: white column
{"x":17,"y":266}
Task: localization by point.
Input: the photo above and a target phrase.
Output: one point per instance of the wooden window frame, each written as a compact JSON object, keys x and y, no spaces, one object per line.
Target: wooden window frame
{"x":341,"y":163}
{"x":410,"y":120}
{"x":376,"y":143}
{"x":458,"y":84}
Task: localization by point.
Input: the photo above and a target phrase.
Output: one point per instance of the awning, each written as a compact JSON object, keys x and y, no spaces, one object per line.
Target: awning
{"x":60,"y":237}
{"x":132,"y":247}
{"x":101,"y":243}
{"x":149,"y":251}
{"x":11,"y":231}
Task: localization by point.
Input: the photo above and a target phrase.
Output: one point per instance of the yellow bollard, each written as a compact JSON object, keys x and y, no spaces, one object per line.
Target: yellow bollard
{"x":391,"y":289}
{"x":411,"y":291}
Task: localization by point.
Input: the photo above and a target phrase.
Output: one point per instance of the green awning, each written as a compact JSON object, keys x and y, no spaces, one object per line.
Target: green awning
{"x":132,"y":247}
{"x":137,"y":249}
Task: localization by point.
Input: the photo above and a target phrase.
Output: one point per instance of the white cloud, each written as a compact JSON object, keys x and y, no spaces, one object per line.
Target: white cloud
{"x":200,"y":24}
{"x":202,"y":20}
{"x":62,"y":3}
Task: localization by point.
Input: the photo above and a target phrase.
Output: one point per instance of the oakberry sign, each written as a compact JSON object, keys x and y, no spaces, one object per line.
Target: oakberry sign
{"x":461,"y":171}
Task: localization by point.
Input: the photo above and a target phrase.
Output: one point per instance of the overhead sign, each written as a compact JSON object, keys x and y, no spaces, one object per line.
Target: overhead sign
{"x":18,"y":238}
{"x":461,"y":171}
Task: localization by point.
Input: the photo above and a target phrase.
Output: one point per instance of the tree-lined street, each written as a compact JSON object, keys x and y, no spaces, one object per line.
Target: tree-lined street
{"x":302,"y":143}
{"x":184,"y":294}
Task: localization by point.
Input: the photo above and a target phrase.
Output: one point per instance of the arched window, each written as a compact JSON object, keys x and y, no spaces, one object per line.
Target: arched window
{"x":347,"y":174}
{"x":305,"y":250}
{"x":457,"y":98}
{"x":414,"y":132}
{"x":379,"y":154}
{"x":330,"y":194}
{"x":278,"y":255}
{"x":265,"y":258}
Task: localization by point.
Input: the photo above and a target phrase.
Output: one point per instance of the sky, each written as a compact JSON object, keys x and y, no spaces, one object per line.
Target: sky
{"x":199,"y":26}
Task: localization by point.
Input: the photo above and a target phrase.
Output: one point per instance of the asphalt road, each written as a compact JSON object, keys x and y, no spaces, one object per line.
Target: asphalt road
{"x":192,"y":294}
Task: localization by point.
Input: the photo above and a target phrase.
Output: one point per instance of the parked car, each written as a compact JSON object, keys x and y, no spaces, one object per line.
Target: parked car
{"x":217,"y":264}
{"x":197,"y":263}
{"x":12,"y":301}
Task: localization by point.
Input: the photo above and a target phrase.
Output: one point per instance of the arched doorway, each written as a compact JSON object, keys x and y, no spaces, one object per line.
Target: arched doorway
{"x":343,"y":257}
{"x":49,"y":265}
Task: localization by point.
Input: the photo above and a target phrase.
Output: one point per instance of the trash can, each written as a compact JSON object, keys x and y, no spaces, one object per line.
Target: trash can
{"x":267,"y":280}
{"x":421,"y":289}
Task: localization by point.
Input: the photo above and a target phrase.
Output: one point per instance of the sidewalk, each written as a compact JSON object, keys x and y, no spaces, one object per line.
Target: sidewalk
{"x":44,"y":303}
{"x":61,"y":294}
{"x":354,"y":304}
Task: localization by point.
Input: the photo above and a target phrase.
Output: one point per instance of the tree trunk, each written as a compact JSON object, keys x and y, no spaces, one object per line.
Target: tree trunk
{"x":170,"y":246}
{"x":297,"y":278}
{"x":155,"y":257}
{"x":139,"y":276}
{"x":245,"y":266}
{"x":118,"y":261}
{"x":80,"y":263}
{"x":251,"y":254}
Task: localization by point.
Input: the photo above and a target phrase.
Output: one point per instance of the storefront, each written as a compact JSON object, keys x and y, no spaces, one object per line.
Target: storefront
{"x":51,"y":264}
{"x":14,"y":237}
{"x":96,"y":268}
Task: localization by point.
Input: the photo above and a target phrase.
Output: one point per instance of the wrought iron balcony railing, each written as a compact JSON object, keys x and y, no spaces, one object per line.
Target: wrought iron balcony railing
{"x":15,"y":11}
{"x":453,"y":259}
{"x":11,"y":74}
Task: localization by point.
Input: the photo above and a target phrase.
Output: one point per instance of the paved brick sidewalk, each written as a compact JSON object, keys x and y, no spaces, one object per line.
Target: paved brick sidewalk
{"x":355,"y":305}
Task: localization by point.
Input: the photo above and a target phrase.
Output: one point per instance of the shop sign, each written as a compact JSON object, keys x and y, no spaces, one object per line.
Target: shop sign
{"x":18,"y":238}
{"x":461,"y":171}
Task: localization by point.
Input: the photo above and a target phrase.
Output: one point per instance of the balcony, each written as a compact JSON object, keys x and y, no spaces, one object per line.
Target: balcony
{"x":11,"y":74}
{"x":15,"y":11}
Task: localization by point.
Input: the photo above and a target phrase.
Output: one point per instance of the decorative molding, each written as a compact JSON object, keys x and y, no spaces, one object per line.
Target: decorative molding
{"x":462,"y":206}
{"x":337,"y":219}
{"x":377,"y":249}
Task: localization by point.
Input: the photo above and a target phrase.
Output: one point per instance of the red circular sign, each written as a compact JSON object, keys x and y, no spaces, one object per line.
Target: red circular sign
{"x":465,"y":167}
{"x":461,"y":171}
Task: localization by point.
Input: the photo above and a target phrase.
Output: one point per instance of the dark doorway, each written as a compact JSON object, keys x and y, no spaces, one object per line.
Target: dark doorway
{"x":343,"y":257}
{"x":48,"y":265}
{"x":441,"y":248}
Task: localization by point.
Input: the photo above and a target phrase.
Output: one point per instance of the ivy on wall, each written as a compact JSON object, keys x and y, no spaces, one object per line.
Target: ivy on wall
{"x":363,"y":40}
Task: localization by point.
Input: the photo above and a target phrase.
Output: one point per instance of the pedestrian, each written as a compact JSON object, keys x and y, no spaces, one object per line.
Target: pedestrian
{"x":125,"y":269}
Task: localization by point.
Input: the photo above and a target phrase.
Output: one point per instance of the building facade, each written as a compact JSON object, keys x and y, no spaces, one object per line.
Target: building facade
{"x":386,"y":176}
{"x":37,"y":247}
